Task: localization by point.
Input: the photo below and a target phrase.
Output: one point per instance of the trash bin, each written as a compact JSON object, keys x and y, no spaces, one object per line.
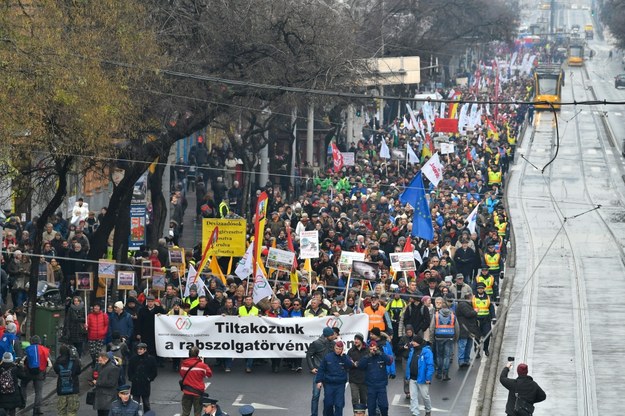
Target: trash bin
{"x":48,"y":321}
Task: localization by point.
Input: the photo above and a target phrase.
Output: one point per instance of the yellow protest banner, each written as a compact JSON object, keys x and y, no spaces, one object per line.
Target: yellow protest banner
{"x":231,"y":241}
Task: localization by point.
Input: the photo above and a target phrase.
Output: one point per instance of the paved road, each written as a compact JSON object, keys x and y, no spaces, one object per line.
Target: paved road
{"x":286,"y":392}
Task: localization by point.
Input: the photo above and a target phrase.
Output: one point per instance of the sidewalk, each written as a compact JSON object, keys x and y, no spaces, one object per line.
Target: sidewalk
{"x":49,"y":386}
{"x":192,"y":233}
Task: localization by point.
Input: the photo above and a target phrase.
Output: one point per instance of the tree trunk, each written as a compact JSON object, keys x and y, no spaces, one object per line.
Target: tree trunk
{"x":159,"y":206}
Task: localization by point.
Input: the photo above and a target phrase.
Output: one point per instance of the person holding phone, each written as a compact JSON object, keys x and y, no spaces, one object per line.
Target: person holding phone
{"x":522,"y":391}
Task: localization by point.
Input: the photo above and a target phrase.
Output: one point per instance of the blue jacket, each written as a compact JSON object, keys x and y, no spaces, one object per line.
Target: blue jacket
{"x":375,"y":369}
{"x":131,"y":408}
{"x":387,"y":348}
{"x":333,"y":369}
{"x":122,"y":324}
{"x":426,"y":365}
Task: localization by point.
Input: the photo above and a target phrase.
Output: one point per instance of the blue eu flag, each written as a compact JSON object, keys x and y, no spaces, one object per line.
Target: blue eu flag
{"x":415,"y":196}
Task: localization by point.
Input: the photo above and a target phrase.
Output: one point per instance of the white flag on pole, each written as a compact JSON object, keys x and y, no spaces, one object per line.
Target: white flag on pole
{"x":244,"y":268}
{"x":472,"y":219}
{"x":433,"y":169}
{"x":384,"y":151}
{"x":193,"y":278}
{"x":412,"y":156}
{"x":413,"y":119}
{"x":262,"y":289}
{"x":407,"y":124}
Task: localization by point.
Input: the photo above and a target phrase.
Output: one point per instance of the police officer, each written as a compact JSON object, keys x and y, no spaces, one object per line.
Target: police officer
{"x":375,"y":369}
{"x":247,"y":410}
{"x":360,"y":409}
{"x":124,"y":405}
{"x":210,"y":407}
{"x":485,"y":314}
{"x":332,"y":376}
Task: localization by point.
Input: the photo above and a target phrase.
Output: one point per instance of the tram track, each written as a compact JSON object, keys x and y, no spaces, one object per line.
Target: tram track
{"x":575,"y":255}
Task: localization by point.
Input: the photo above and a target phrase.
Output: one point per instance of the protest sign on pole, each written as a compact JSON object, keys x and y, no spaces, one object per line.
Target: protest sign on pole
{"x":347,"y":257}
{"x":349,"y":159}
{"x":249,"y":337}
{"x":125,"y":280}
{"x":364,"y":270}
{"x":231,"y":242}
{"x":280,"y":259}
{"x":309,"y":245}
{"x":402,"y":262}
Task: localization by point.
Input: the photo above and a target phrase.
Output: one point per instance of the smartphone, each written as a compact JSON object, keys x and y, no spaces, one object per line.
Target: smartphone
{"x":510,"y":358}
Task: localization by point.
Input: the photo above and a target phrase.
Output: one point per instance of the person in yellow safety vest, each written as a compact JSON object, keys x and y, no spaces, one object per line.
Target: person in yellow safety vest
{"x":493,"y":261}
{"x":248,"y":309}
{"x":224,"y":208}
{"x":494,"y":176}
{"x":488,"y":280}
{"x":376,"y":314}
{"x":485,"y":316}
{"x":193,"y":299}
{"x":501,"y":225}
{"x":395,"y":308}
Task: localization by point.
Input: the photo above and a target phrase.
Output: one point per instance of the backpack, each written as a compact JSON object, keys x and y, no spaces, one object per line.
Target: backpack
{"x":66,"y":382}
{"x":7,"y":384}
{"x":6,"y":345}
{"x":32,"y":359}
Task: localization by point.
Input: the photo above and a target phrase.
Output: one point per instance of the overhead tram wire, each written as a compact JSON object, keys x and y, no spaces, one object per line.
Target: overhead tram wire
{"x":331,"y":93}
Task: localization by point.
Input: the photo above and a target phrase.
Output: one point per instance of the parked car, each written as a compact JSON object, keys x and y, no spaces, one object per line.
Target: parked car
{"x":619,"y":81}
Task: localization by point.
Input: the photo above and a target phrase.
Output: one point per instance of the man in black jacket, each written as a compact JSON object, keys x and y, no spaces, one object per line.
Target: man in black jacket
{"x":357,"y":383}
{"x":316,"y":351}
{"x":142,"y":370}
{"x":524,"y":385}
{"x":467,"y":321}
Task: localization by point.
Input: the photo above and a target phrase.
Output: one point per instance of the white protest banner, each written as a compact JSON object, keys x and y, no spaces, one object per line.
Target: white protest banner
{"x":403,"y":262}
{"x":280,"y":259}
{"x":249,"y":337}
{"x":447,"y":148}
{"x":349,"y":159}
{"x":347,"y":257}
{"x":309,"y":245}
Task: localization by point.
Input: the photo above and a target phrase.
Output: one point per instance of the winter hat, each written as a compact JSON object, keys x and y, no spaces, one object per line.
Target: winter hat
{"x":339,"y":344}
{"x":409,"y":328}
{"x":119,"y":304}
{"x":359,"y":336}
{"x":376,"y":331}
{"x":9,"y":318}
{"x":7,"y":357}
{"x":327,"y":331}
{"x":373,"y":344}
{"x":11,"y":328}
{"x":522,"y":369}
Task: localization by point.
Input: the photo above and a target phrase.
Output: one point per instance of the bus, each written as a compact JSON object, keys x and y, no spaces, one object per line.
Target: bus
{"x":576,"y":54}
{"x":548,"y":83}
{"x":588,"y":30}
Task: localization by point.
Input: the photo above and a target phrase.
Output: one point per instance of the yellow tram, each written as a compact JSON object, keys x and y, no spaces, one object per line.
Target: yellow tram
{"x":576,"y":54}
{"x":548,"y":83}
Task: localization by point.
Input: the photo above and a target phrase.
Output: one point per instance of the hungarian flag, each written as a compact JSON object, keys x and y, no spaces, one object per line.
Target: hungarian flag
{"x":337,"y":158}
{"x":446,"y":125}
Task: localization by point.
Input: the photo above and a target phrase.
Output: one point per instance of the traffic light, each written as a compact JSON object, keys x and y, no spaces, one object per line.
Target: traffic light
{"x":358,"y":113}
{"x":592,"y":12}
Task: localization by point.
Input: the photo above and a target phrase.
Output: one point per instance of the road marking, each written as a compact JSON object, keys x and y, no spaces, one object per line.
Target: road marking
{"x":257,"y":406}
{"x":618,"y":114}
{"x":591,"y":151}
{"x":595,"y":168}
{"x":608,"y":151}
{"x":399,"y":401}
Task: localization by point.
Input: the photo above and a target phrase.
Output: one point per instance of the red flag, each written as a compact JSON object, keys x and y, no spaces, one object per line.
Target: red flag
{"x":446,"y":125}
{"x":337,"y":158}
{"x":408,"y":248}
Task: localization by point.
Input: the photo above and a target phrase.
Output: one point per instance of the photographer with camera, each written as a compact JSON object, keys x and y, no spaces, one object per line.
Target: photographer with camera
{"x":523,"y":392}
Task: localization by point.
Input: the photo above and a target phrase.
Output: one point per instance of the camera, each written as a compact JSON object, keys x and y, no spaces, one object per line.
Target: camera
{"x":510,"y":358}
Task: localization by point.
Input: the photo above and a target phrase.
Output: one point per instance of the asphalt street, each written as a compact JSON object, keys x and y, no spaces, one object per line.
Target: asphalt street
{"x":286,"y":392}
